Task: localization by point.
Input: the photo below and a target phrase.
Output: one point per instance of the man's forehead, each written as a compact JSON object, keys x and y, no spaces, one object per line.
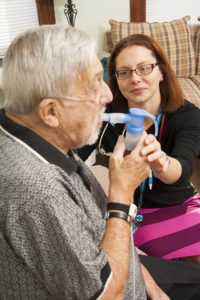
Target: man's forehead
{"x":95,"y":71}
{"x":90,"y":75}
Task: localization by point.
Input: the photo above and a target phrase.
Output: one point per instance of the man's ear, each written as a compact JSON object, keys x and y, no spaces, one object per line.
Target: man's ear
{"x":47,"y":110}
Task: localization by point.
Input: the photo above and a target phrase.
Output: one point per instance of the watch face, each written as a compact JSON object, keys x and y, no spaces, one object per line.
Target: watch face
{"x":133,"y":211}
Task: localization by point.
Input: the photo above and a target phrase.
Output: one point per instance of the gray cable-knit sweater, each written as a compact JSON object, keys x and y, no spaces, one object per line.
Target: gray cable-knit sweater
{"x":50,"y":227}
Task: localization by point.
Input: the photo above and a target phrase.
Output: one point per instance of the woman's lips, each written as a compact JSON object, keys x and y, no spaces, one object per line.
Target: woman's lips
{"x":138,"y":91}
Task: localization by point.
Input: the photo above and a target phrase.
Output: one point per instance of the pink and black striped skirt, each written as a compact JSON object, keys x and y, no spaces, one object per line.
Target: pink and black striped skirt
{"x":171,"y":232}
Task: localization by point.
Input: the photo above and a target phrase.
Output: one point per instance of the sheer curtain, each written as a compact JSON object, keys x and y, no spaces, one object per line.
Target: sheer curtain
{"x":15,"y":17}
{"x":168,"y":10}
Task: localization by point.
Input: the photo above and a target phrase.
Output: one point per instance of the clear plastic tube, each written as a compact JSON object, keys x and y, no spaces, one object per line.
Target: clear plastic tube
{"x":131,"y":140}
{"x":116,"y":118}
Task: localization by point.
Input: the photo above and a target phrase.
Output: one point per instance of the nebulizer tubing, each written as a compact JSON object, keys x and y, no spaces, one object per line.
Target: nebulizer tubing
{"x":114,"y":118}
{"x":135,"y":124}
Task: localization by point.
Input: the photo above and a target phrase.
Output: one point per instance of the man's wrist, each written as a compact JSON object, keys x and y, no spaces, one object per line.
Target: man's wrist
{"x":117,"y":194}
{"x":129,"y":211}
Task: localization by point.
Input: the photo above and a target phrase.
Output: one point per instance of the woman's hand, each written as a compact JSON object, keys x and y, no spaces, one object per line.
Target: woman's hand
{"x":166,"y":168}
{"x":155,"y":156}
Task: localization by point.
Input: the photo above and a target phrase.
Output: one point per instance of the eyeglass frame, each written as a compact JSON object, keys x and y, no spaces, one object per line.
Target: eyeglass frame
{"x":153,"y":65}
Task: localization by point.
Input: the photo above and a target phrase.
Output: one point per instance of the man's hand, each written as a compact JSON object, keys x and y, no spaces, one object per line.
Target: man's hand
{"x":127,"y":172}
{"x":152,"y":289}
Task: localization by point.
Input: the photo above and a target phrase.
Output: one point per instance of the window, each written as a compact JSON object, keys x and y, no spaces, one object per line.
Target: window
{"x":15,"y":17}
{"x":168,"y":10}
{"x":19,"y":15}
{"x":163,"y":11}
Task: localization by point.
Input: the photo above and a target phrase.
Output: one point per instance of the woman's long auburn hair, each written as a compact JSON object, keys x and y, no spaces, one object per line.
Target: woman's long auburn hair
{"x":171,"y":92}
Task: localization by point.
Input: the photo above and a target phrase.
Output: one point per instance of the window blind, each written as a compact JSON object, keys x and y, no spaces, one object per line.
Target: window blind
{"x":168,"y":10}
{"x":15,"y":17}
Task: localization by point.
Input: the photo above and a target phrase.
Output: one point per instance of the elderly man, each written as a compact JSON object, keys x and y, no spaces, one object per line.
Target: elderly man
{"x":57,"y":238}
{"x":60,"y":236}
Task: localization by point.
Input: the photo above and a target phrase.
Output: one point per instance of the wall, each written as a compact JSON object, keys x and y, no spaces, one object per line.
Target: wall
{"x":93,"y":15}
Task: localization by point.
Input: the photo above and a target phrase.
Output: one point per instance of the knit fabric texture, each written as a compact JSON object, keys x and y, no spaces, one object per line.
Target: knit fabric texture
{"x":50,"y":229}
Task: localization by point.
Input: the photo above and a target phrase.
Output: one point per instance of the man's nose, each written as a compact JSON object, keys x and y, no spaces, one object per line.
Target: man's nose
{"x":106,"y":94}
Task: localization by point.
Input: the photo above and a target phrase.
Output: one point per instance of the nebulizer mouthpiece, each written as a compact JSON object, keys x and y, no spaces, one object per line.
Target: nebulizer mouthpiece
{"x":135,"y":124}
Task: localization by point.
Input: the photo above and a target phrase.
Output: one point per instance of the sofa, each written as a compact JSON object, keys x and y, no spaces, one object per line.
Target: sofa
{"x":181,"y":42}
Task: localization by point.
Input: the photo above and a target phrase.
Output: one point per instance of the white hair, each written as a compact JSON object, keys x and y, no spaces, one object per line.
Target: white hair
{"x":42,"y":62}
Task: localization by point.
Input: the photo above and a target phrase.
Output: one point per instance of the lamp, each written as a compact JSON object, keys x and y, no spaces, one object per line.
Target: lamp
{"x":70,"y":12}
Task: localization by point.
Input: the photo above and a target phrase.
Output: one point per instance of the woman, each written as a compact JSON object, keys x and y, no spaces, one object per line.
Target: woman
{"x":140,"y":76}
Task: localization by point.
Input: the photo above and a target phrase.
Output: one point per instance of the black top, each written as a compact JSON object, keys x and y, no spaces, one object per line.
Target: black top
{"x":181,"y":140}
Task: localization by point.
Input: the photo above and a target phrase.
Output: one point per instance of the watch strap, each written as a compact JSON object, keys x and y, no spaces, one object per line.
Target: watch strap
{"x":130,"y":210}
{"x":117,"y":215}
{"x":118,"y":206}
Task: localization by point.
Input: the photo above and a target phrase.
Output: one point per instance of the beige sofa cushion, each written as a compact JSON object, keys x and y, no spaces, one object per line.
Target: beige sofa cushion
{"x":190,"y":90}
{"x":197,"y":51}
{"x":196,"y":80}
{"x":108,"y":42}
{"x":174,"y":36}
{"x":195,"y":35}
{"x":193,"y":31}
{"x":102,"y":175}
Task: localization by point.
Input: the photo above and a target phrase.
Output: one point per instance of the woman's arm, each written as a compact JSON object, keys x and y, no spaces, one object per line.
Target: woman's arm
{"x":164,"y":167}
{"x":181,"y":141}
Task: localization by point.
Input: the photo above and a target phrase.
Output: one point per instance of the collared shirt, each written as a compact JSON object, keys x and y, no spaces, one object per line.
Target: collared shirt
{"x":53,"y":221}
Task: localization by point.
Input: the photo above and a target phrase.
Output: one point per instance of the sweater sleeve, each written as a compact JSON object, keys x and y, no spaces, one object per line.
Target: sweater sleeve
{"x":186,"y":140}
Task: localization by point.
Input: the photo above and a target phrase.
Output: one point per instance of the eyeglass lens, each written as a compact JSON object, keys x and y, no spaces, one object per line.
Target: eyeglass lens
{"x":143,"y":70}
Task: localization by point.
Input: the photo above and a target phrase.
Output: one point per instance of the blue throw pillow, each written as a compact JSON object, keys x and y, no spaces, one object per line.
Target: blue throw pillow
{"x":104,"y":62}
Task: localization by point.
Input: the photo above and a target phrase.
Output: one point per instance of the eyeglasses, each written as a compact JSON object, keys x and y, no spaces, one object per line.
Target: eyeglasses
{"x":143,"y":70}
